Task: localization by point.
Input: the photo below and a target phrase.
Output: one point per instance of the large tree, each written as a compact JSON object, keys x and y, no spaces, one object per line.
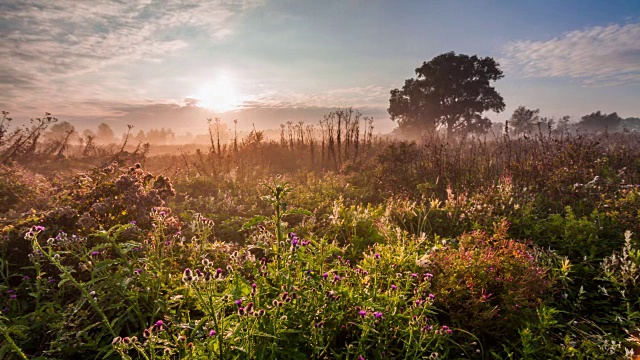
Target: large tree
{"x":524,"y":120}
{"x":451,"y":90}
{"x":598,"y":121}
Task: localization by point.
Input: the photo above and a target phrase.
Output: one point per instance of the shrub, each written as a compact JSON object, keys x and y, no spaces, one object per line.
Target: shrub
{"x":486,"y":284}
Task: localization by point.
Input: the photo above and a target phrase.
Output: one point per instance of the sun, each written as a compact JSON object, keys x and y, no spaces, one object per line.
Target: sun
{"x":220,"y":94}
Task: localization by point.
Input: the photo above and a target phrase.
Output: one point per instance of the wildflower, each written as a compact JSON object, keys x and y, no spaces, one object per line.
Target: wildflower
{"x":146,"y":333}
{"x":219,"y":273}
{"x":362,"y":313}
{"x":159,"y":324}
{"x":254,"y":288}
{"x":38,"y":228}
{"x":360,"y":357}
{"x":238,"y":302}
{"x":376,"y":256}
{"x":428,"y":276}
{"x":187,"y":275}
{"x":212,"y":332}
{"x":414,"y":275}
{"x":13,"y":296}
{"x":336,"y":278}
{"x":137,"y":271}
{"x":377,"y":315}
{"x":126,"y":340}
{"x":116,"y":340}
{"x":26,"y":277}
{"x":446,"y":329}
{"x":261,"y":312}
{"x":250,"y":307}
{"x":241,"y":311}
{"x":393,"y":287}
{"x":95,"y":253}
{"x":431,"y":296}
{"x":325,"y":275}
{"x":52,"y":281}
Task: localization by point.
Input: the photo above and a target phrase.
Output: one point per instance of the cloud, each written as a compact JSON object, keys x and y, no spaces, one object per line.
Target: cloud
{"x":372,"y":96}
{"x":598,"y":56}
{"x":51,"y":45}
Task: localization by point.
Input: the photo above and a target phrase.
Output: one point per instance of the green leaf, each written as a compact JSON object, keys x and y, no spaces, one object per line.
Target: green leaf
{"x":253,"y":222}
{"x":300,"y":212}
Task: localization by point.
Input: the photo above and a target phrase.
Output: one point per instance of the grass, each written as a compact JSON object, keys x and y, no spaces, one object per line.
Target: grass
{"x":509,"y":248}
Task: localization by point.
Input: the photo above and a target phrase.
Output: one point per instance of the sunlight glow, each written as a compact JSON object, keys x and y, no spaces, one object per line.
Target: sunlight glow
{"x":220,"y":94}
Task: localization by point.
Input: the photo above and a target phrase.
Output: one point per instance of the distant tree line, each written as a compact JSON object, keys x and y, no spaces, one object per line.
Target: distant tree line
{"x":452,"y":91}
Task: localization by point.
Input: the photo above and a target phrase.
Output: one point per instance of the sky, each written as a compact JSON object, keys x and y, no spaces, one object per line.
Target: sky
{"x":174,"y":64}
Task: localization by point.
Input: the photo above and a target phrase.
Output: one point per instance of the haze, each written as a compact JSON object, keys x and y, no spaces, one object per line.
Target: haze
{"x":173,"y":64}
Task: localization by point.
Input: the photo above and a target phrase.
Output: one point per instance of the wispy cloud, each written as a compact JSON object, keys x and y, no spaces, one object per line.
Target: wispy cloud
{"x":44,"y":43}
{"x":599,"y":56}
{"x":372,"y":96}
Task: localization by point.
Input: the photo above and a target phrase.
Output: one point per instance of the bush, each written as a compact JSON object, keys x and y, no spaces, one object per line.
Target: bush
{"x":487,"y":284}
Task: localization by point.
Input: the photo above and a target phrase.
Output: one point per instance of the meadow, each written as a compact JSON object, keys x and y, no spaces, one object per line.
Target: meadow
{"x":339,"y":246}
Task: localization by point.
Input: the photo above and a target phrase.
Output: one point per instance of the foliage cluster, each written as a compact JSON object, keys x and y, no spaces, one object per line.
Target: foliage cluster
{"x":513,"y":248}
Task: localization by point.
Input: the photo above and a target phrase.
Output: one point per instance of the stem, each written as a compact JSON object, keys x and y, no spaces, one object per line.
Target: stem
{"x":84,"y":291}
{"x":15,"y":347}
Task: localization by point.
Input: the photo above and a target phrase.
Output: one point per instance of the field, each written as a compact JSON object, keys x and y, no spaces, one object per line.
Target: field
{"x":349,"y":248}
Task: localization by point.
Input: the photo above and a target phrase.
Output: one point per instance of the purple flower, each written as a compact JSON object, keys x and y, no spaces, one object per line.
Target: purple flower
{"x":38,"y":228}
{"x":52,"y":281}
{"x":377,"y":314}
{"x":414,"y":275}
{"x":295,"y":241}
{"x":132,"y":222}
{"x":393,"y":287}
{"x":325,"y":275}
{"x":376,"y":256}
{"x":212,"y":332}
{"x":360,"y":357}
{"x":238,"y":302}
{"x":26,"y":277}
{"x":13,"y":296}
{"x":428,"y":275}
{"x":159,"y":324}
{"x":336,"y":278}
{"x":362,"y":313}
{"x":431,"y":296}
{"x":95,"y":253}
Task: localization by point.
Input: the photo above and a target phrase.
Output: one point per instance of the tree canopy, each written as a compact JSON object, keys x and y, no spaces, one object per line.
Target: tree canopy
{"x":452,"y":90}
{"x":598,"y":121}
{"x":523,"y":119}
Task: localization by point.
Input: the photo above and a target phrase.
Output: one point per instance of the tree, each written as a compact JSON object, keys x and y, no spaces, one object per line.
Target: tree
{"x":451,"y":91}
{"x":598,"y":121}
{"x":61,"y":131}
{"x":524,"y":120}
{"x":631,"y":124}
{"x":105,"y":134}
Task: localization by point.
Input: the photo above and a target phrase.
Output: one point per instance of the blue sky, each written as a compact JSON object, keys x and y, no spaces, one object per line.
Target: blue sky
{"x":175,"y":63}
